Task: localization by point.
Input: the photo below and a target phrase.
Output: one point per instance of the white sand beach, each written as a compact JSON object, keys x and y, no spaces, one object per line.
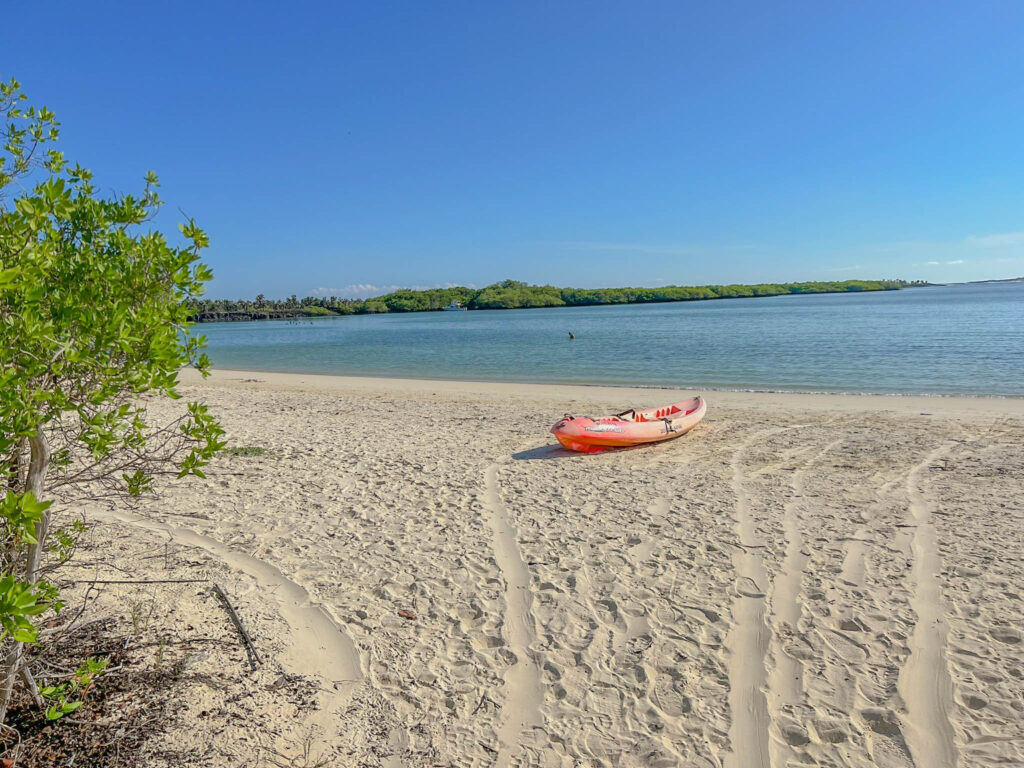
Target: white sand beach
{"x":801,"y":580}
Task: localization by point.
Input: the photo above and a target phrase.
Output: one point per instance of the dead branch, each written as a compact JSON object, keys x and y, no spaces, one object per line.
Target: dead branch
{"x":250,"y":647}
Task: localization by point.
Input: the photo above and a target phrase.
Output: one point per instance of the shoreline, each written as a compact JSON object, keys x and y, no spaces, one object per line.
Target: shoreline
{"x":996,"y":405}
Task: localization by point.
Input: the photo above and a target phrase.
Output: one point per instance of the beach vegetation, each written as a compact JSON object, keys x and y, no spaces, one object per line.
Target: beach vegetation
{"x":513,"y":294}
{"x":94,"y":306}
{"x":372,"y":306}
{"x":70,"y":695}
{"x":316,"y":312}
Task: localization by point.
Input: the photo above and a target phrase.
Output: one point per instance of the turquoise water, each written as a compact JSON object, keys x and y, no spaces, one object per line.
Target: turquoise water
{"x":962,"y":339}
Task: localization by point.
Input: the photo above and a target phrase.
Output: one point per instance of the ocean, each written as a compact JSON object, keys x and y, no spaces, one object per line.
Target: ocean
{"x":945,"y":340}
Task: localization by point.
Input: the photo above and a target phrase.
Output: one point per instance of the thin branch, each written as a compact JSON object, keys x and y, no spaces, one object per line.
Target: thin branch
{"x":250,"y":647}
{"x":141,"y":581}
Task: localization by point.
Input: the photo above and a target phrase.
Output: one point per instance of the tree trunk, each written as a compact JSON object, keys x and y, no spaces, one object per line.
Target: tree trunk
{"x":39,"y":465}
{"x":14,"y":478}
{"x":14,"y":484}
{"x":11,"y":665}
{"x":33,"y":688}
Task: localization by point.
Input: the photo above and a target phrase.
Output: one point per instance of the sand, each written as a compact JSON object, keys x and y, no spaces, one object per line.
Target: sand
{"x":801,"y":580}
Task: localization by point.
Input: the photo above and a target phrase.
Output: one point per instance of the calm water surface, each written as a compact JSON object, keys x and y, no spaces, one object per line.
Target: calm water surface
{"x":963,"y":339}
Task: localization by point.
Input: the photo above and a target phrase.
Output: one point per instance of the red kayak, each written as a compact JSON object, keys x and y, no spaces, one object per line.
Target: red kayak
{"x":630,"y":427}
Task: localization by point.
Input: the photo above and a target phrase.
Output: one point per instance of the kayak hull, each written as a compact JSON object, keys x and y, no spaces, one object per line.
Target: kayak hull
{"x":631,"y":428}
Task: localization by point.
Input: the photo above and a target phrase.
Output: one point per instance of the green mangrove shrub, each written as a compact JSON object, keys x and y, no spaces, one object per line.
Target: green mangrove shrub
{"x":93,"y":319}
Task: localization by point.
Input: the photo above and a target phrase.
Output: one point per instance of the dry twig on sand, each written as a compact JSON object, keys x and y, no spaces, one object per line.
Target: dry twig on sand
{"x":250,"y":647}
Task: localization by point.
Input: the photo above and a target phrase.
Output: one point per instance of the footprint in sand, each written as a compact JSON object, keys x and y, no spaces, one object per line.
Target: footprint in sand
{"x":974,"y":700}
{"x":885,"y":739}
{"x":794,"y":644}
{"x":790,"y":731}
{"x":470,"y":616}
{"x":484,"y":642}
{"x":699,"y":613}
{"x":604,"y":699}
{"x":830,"y":731}
{"x":747,"y":587}
{"x":600,"y":746}
{"x":607,"y":611}
{"x":667,"y":695}
{"x":1007,"y":635}
{"x":844,"y":647}
{"x":551,"y":673}
{"x":886,"y":753}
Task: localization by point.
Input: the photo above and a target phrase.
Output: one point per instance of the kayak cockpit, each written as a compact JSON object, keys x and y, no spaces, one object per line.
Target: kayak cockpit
{"x":673,"y":411}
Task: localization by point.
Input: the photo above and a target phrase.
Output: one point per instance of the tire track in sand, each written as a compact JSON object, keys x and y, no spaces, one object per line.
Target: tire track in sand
{"x":747,"y":641}
{"x":785,"y":683}
{"x":852,"y":585}
{"x":320,"y":647}
{"x":925,"y":683}
{"x":524,"y":691}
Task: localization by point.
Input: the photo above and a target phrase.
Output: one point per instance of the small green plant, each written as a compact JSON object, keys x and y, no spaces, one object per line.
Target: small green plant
{"x":50,"y":595}
{"x":19,"y":601}
{"x":65,"y":540}
{"x":161,"y":649}
{"x":69,"y":696}
{"x":140,"y":612}
{"x":246,"y":450}
{"x":306,"y":756}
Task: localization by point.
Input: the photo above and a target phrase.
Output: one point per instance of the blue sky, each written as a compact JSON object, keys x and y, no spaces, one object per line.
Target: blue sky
{"x":350,"y":147}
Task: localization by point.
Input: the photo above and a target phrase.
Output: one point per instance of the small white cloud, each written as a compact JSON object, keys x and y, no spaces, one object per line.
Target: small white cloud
{"x":956,"y":261}
{"x":356,"y":290}
{"x":933,"y":263}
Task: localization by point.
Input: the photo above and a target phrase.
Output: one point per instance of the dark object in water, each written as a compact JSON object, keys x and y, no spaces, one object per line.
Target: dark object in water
{"x":571,"y":336}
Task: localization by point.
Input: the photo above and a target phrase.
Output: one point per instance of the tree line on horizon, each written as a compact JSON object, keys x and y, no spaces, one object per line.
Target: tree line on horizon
{"x":512,"y":294}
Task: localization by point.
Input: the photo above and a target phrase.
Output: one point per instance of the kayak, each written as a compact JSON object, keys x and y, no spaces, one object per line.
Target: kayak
{"x":630,"y":427}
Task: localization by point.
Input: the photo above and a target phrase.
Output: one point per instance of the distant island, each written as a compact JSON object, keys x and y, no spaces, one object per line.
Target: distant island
{"x":512,"y":294}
